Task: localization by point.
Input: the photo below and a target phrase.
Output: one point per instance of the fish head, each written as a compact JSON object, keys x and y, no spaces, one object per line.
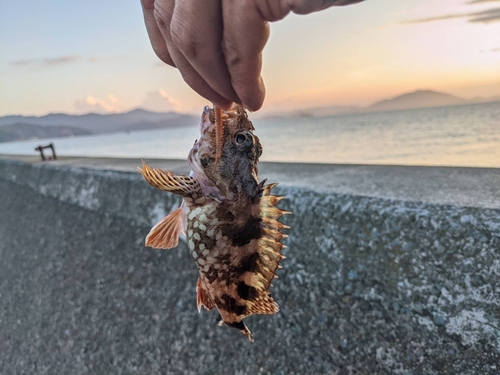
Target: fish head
{"x":224,"y":158}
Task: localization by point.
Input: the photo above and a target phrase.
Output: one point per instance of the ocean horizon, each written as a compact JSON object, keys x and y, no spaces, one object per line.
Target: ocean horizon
{"x":466,"y":135}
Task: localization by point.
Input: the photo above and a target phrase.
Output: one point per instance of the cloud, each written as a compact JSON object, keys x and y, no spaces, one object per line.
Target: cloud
{"x":157,"y":101}
{"x":68,"y":59}
{"x":485,"y":16}
{"x":439,"y":18}
{"x":160,"y":101}
{"x":109,"y":104}
{"x":61,"y":60}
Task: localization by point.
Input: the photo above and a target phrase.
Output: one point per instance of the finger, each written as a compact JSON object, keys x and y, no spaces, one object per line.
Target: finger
{"x":163,"y":11}
{"x":245,"y":35}
{"x":310,"y":6}
{"x":200,"y":42}
{"x":157,"y":41}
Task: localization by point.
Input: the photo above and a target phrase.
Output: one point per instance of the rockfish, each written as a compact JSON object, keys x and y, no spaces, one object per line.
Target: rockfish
{"x":230,"y":220}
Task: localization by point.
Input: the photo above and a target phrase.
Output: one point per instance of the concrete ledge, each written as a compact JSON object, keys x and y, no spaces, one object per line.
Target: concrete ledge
{"x":471,"y":187}
{"x":370,"y":285}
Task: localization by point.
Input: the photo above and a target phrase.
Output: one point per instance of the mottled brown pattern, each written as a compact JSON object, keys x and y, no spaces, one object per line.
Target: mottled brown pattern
{"x":232,"y":223}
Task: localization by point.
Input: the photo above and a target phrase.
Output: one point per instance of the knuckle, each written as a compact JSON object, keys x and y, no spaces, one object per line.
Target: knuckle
{"x":162,"y":15}
{"x":160,"y":20}
{"x":234,"y":60}
{"x":184,"y":40}
{"x":233,"y":55}
{"x":148,"y":4}
{"x":270,"y":10}
{"x":191,"y":79}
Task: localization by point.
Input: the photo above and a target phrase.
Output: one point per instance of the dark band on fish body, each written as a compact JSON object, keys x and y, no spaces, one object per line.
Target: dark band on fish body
{"x":247,"y":264}
{"x":247,"y":292}
{"x":231,"y":306}
{"x":241,"y":236}
{"x":225,"y":216}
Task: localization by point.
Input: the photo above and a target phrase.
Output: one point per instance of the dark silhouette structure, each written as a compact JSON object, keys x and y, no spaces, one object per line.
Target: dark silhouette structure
{"x":41,"y":148}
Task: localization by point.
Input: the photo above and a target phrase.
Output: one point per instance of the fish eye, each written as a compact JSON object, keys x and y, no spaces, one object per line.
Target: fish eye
{"x":243,"y":139}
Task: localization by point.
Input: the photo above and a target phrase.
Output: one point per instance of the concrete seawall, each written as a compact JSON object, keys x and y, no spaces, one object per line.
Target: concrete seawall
{"x":388,"y":270}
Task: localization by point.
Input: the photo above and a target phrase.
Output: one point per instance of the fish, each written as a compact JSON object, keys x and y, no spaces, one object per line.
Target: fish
{"x":231,"y":220}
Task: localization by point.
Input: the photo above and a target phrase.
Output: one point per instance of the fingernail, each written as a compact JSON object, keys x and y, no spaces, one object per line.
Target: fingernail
{"x":257,"y":99}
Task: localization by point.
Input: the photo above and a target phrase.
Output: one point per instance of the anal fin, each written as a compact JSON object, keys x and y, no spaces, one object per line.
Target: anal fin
{"x":202,"y":297}
{"x":165,"y":234}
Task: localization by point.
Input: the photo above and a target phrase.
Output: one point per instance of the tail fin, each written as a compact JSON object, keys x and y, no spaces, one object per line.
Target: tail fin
{"x":239,"y":325}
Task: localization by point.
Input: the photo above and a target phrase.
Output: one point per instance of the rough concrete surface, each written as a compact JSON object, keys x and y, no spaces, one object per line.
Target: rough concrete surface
{"x":370,"y":285}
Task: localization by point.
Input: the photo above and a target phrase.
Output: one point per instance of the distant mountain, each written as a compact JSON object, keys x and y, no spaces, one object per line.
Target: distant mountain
{"x":60,"y":124}
{"x":412,"y":100}
{"x":417,"y":99}
{"x":21,"y":131}
{"x":184,"y":120}
{"x":314,"y":112}
{"x":326,"y":111}
{"x":96,"y":123}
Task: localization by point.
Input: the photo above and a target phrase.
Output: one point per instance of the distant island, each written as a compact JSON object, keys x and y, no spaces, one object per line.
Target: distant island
{"x":417,"y":99}
{"x":22,"y":132}
{"x":15,"y":128}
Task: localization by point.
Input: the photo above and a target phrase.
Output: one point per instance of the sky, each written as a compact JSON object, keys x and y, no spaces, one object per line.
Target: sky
{"x":94,"y":56}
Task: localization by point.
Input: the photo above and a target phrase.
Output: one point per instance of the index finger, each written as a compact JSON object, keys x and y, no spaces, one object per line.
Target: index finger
{"x":154,"y":33}
{"x":244,"y":38}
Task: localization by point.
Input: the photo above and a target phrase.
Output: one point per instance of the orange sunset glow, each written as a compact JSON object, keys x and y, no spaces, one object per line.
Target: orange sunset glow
{"x":353,"y":55}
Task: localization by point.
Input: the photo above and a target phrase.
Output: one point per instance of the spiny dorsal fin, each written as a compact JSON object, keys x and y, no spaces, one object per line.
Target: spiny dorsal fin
{"x":269,"y":251}
{"x":165,"y":234}
{"x":266,"y":190}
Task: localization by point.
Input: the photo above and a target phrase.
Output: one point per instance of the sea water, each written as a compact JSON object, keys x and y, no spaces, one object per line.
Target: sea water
{"x":467,"y":135}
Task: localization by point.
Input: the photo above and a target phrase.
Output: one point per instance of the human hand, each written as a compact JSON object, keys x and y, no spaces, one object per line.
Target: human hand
{"x":217,"y":45}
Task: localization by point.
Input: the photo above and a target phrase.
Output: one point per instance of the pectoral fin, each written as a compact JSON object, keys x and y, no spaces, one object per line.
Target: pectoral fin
{"x":202,"y":297}
{"x":165,"y":234}
{"x":185,"y":186}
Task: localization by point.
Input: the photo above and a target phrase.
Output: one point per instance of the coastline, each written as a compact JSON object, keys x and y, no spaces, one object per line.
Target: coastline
{"x":388,"y":269}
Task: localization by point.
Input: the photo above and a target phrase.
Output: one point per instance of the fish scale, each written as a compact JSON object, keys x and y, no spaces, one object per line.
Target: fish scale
{"x":230,"y":220}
